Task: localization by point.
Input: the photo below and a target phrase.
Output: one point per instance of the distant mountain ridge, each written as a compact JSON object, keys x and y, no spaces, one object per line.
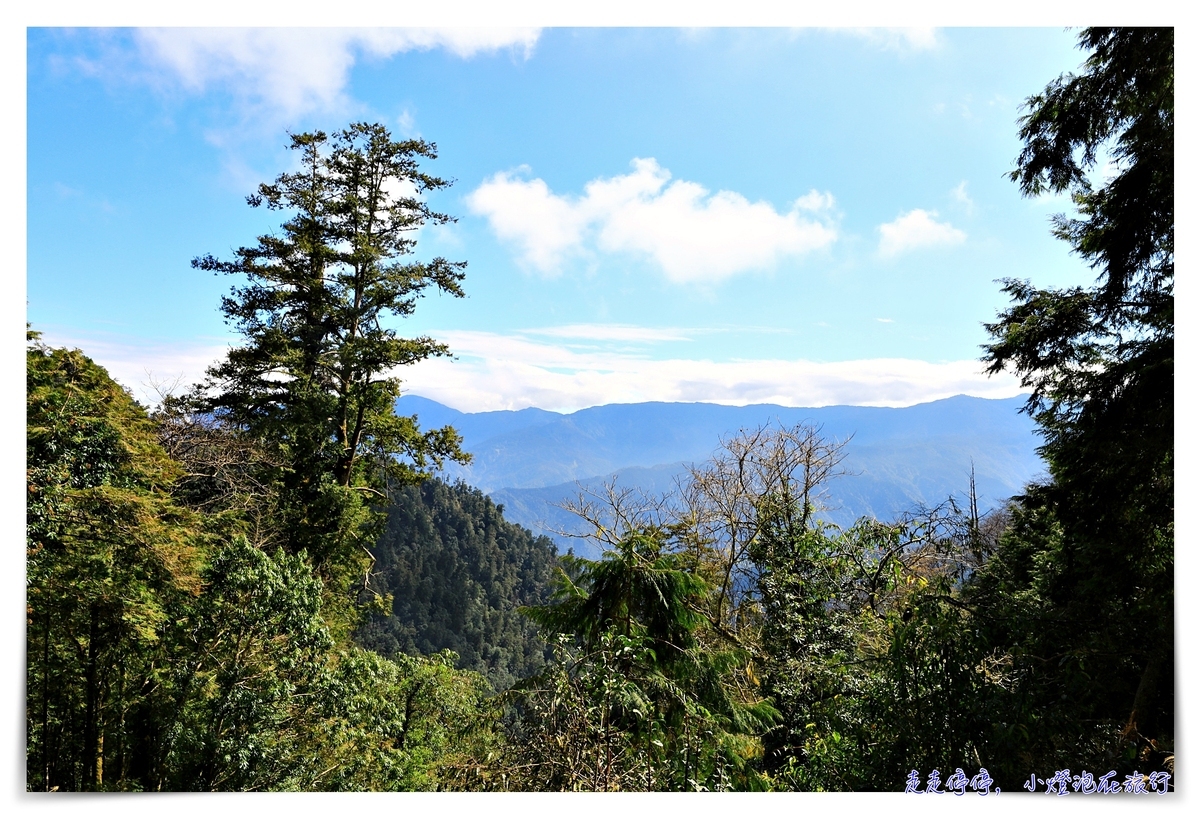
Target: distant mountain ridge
{"x":531,"y":459}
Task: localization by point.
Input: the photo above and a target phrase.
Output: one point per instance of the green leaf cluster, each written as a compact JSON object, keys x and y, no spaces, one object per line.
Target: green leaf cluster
{"x":637,"y":696}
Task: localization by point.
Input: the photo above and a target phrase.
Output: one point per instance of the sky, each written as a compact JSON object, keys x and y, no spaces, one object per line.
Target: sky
{"x":737,"y":215}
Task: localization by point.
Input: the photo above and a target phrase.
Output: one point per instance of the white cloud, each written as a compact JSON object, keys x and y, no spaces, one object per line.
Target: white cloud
{"x":526,"y":213}
{"x":496,"y":371}
{"x":295,"y":71}
{"x":690,"y":234}
{"x":814,"y":201}
{"x":142,"y":366}
{"x":914,"y":230}
{"x":408,"y":124}
{"x":902,"y":40}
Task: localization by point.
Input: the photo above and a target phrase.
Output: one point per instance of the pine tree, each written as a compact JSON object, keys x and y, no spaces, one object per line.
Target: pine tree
{"x":1082,"y":589}
{"x":314,"y":380}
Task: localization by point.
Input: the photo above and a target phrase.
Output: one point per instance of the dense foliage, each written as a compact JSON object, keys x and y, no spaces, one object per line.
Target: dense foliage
{"x":168,"y":653}
{"x":1082,"y":590}
{"x":637,"y":696}
{"x":192,"y":577}
{"x":457,"y":572}
{"x":108,"y":557}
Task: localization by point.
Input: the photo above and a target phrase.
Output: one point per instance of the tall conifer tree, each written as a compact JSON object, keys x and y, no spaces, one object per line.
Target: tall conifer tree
{"x":314,"y":378}
{"x":1082,"y":590}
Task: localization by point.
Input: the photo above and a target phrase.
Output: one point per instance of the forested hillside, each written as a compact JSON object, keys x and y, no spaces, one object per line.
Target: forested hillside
{"x":457,"y":571}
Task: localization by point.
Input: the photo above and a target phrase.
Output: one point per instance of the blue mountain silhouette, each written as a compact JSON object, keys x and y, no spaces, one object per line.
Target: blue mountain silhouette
{"x":531,"y":460}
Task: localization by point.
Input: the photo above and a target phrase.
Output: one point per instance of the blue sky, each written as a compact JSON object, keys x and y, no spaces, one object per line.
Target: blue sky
{"x":796,"y":216}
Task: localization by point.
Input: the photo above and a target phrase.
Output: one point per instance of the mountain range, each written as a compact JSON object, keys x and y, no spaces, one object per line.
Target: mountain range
{"x":531,"y":460}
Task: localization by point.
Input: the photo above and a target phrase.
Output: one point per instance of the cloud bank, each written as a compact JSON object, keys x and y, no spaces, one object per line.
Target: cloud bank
{"x":692,"y":235}
{"x":544,"y":368}
{"x":145,"y":367}
{"x":496,"y":371}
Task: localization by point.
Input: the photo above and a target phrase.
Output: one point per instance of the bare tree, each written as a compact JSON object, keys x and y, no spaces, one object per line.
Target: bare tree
{"x":768,"y":476}
{"x":224,"y":468}
{"x":772,"y":476}
{"x":612,"y":513}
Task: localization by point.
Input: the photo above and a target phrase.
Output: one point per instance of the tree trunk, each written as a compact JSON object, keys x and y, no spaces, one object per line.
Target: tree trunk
{"x":45,"y":740}
{"x":92,"y":697}
{"x":1143,"y":721}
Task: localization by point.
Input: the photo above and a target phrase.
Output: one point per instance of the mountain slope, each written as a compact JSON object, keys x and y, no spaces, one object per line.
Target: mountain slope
{"x":457,"y":571}
{"x":530,"y":460}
